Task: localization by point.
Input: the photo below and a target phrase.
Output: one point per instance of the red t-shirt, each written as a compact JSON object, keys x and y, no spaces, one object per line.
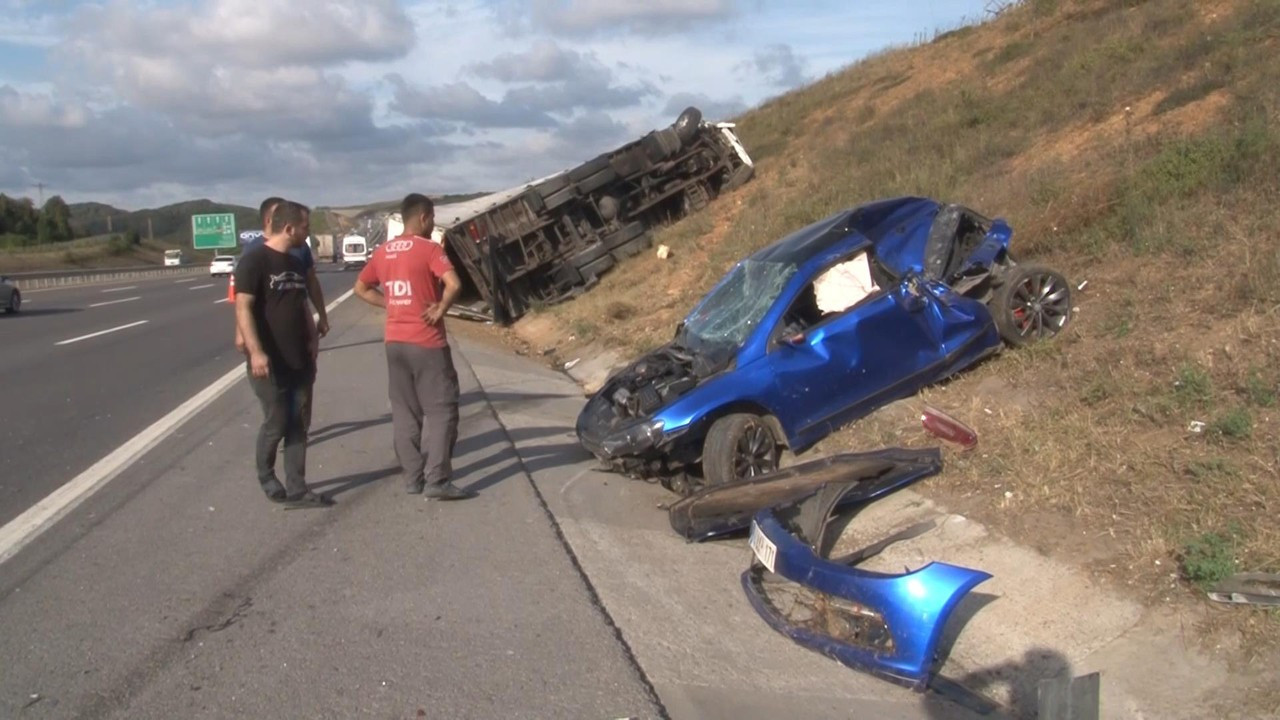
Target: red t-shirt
{"x":409,"y":269}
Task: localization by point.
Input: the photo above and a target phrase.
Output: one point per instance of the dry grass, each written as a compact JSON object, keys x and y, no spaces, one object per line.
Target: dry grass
{"x":1132,"y":145}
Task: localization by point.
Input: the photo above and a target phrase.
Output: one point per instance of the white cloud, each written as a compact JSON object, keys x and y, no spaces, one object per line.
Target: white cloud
{"x":779,"y":65}
{"x":19,"y":109}
{"x":340,"y":101}
{"x":587,"y":17}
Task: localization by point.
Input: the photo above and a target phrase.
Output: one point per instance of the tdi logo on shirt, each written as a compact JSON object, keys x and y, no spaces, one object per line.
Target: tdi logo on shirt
{"x":401,"y":292}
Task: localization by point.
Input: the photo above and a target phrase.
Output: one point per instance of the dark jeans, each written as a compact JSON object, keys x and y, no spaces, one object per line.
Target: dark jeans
{"x":286,"y":415}
{"x":423,"y":386}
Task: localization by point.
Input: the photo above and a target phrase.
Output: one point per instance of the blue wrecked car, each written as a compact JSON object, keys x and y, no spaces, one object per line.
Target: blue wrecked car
{"x":815,"y":331}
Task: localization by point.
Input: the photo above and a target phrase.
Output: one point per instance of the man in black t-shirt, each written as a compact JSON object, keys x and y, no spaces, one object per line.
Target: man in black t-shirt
{"x":271,"y":313}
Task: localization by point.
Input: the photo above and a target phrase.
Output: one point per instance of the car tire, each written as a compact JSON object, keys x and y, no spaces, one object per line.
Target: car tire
{"x":737,"y":447}
{"x":1031,"y":304}
{"x":15,"y":303}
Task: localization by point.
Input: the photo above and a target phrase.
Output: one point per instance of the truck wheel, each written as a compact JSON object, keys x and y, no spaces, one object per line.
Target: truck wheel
{"x":586,"y":186}
{"x":686,"y":126}
{"x":552,"y":185}
{"x":560,"y":197}
{"x":588,"y":256}
{"x":589,"y":168}
{"x":594,"y":270}
{"x":739,"y":446}
{"x":621,"y":237}
{"x":661,"y":144}
{"x":631,"y":248}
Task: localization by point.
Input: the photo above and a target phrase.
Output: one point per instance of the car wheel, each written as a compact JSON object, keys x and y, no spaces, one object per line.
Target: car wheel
{"x":737,"y":447}
{"x":1032,"y":303}
{"x":15,"y":303}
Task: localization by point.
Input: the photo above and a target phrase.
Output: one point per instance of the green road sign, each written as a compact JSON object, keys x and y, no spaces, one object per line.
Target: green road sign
{"x":213,"y":231}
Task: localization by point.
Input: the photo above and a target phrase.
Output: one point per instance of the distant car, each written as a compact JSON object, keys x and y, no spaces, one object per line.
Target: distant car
{"x":222,"y":265}
{"x":817,"y":330}
{"x":10,"y":297}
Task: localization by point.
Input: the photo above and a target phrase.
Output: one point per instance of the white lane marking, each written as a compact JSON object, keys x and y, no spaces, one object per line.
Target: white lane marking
{"x":200,"y":287}
{"x":40,"y":517}
{"x":219,"y":302}
{"x":179,"y":282}
{"x":119,"y":289}
{"x":116,"y":302}
{"x":102,"y":332}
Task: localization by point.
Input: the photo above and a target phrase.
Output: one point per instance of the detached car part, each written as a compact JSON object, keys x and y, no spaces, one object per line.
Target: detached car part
{"x":1250,"y":588}
{"x":887,"y":625}
{"x":724,"y":509}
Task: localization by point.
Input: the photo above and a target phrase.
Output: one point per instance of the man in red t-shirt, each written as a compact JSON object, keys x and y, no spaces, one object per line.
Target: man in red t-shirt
{"x":404,"y":276}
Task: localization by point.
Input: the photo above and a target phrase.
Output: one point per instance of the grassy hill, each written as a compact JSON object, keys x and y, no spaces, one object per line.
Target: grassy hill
{"x":1133,"y":145}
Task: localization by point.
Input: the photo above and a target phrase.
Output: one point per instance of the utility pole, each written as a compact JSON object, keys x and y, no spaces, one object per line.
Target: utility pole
{"x":40,"y":186}
{"x":108,"y":224}
{"x":150,"y":236}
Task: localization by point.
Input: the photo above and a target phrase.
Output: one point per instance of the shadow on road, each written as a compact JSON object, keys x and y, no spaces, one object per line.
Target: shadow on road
{"x":1018,"y":682}
{"x":353,"y":481}
{"x":336,"y":430}
{"x":36,"y":312}
{"x":375,"y":341}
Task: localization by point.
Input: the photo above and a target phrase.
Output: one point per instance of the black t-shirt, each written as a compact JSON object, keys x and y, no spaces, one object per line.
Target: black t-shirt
{"x":278,"y":283}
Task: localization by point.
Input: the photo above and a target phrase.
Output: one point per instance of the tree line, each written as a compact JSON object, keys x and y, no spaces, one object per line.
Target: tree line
{"x":21,"y":224}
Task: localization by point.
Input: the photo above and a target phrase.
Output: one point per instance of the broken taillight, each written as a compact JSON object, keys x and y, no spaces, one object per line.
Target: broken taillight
{"x":948,"y":428}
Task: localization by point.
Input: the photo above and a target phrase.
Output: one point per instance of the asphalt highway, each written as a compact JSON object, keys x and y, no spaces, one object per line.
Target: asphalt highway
{"x":85,"y":368}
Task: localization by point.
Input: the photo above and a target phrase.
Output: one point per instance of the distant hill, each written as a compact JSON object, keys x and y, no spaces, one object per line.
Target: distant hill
{"x":169,"y":225}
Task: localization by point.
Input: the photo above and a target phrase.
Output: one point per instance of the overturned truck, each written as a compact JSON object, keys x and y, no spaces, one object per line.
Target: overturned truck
{"x":548,"y":240}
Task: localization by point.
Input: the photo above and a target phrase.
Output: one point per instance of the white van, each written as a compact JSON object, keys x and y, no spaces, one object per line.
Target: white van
{"x":355,"y":251}
{"x":173,"y":257}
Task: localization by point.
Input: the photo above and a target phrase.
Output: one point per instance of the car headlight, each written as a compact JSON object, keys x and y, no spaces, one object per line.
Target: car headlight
{"x":633,"y":440}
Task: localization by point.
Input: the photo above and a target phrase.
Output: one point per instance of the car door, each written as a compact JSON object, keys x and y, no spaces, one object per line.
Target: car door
{"x":841,"y":367}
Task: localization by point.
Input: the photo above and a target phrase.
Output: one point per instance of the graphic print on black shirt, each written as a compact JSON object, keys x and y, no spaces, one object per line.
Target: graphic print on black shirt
{"x":278,"y":283}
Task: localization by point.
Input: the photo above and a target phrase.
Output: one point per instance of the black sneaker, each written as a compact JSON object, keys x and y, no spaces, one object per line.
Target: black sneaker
{"x":308,"y":499}
{"x":277,"y":496}
{"x":446,"y":491}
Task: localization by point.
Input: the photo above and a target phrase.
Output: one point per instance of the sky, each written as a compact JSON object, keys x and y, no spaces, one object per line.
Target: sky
{"x":143,"y":103}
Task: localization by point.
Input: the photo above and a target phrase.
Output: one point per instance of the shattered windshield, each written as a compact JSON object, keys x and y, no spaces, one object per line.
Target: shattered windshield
{"x":724,"y":318}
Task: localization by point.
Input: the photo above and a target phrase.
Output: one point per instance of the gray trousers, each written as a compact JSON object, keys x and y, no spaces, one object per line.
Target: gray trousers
{"x":286,"y":415}
{"x":423,"y":386}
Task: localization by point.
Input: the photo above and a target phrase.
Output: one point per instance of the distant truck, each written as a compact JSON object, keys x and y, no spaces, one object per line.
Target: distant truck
{"x":548,"y":240}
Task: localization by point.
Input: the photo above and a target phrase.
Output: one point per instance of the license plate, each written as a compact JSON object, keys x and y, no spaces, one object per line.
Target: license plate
{"x":766,"y":552}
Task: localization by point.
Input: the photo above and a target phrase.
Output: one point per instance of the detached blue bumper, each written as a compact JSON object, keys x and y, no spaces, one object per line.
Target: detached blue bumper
{"x":889,"y":625}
